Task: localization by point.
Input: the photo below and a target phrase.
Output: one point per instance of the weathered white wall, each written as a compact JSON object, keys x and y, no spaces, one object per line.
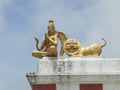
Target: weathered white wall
{"x":111,"y":86}
{"x":69,"y":73}
{"x":79,"y":66}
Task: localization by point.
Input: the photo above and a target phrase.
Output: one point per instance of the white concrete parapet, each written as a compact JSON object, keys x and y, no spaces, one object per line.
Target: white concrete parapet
{"x":69,"y":73}
{"x":79,"y":66}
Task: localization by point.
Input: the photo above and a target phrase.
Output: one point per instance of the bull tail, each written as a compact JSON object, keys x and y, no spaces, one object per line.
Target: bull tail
{"x":105,"y":42}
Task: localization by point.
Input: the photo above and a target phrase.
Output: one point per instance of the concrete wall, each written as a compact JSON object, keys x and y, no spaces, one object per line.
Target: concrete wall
{"x":69,"y":73}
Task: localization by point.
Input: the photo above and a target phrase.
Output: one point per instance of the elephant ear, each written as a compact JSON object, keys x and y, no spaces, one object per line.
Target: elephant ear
{"x":62,"y":38}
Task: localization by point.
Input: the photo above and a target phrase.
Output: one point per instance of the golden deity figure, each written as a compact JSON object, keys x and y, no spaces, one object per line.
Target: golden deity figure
{"x":49,"y":45}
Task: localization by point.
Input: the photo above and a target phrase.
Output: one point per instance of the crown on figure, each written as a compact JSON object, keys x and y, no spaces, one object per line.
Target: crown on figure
{"x":51,"y":23}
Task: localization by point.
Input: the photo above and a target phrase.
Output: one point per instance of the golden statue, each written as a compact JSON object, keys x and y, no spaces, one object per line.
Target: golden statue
{"x":71,"y":47}
{"x":49,"y":44}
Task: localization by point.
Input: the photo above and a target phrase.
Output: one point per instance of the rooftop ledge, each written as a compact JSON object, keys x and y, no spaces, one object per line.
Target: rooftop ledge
{"x":78,"y":66}
{"x":76,"y":69}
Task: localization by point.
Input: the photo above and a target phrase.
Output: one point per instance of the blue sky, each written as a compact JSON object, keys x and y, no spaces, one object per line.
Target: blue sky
{"x":22,"y":20}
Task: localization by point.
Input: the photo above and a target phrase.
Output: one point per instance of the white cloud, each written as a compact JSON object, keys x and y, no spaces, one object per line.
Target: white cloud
{"x":3,"y":3}
{"x":66,"y":17}
{"x":1,"y":23}
{"x":88,"y":23}
{"x":105,"y":23}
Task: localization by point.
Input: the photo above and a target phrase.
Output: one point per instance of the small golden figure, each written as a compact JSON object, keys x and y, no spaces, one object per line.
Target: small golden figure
{"x":49,"y":44}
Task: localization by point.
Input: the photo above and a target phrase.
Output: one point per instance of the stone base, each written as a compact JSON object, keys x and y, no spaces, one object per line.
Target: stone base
{"x":71,"y":73}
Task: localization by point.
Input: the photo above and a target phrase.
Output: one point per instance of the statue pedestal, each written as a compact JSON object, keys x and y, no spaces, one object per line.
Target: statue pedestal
{"x":76,"y":73}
